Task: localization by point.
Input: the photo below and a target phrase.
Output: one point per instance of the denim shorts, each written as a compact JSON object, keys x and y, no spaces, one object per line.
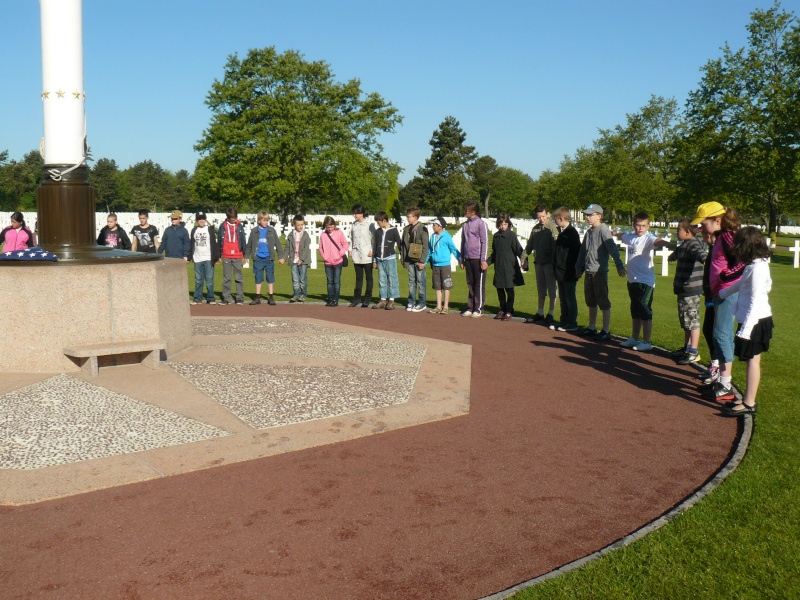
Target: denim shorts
{"x":262,"y":267}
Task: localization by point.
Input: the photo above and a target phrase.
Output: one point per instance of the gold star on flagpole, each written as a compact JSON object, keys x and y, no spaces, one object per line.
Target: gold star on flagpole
{"x":77,"y":95}
{"x":45,"y":95}
{"x":60,"y":93}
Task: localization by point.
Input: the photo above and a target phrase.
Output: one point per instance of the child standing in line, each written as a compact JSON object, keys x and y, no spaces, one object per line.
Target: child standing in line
{"x":598,"y":244}
{"x":725,"y":269}
{"x":144,"y":236}
{"x":689,"y":257}
{"x":262,"y":248}
{"x":752,"y":311}
{"x":298,"y":253}
{"x":641,"y":280}
{"x":415,"y":256}
{"x":506,"y":251}
{"x":113,"y":236}
{"x":204,"y":253}
{"x":542,"y":243}
{"x":474,"y":256}
{"x":441,"y":247}
{"x":361,"y":238}
{"x":565,"y":255}
{"x":231,"y":248}
{"x":384,"y":258}
{"x":333,"y":247}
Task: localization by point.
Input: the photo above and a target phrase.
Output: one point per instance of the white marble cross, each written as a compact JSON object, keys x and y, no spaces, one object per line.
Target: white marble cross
{"x":796,"y":250}
{"x":664,"y":254}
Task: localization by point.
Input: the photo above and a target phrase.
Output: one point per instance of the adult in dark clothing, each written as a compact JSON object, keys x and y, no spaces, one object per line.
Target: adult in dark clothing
{"x":175,"y":242}
{"x":506,"y":250}
{"x":565,"y":256}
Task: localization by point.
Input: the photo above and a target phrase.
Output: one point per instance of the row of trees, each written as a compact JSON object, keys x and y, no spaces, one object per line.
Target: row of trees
{"x":286,"y":136}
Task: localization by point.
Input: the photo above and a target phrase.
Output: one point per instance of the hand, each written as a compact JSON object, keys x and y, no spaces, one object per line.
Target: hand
{"x":421,"y":266}
{"x":186,"y":259}
{"x":281,"y":261}
{"x":369,"y":253}
{"x":461,"y":265}
{"x":374,"y":265}
{"x":622,"y":271}
{"x":484,"y":265}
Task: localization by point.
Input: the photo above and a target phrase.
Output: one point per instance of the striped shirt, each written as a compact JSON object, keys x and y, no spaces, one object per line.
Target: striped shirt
{"x":689,"y":258}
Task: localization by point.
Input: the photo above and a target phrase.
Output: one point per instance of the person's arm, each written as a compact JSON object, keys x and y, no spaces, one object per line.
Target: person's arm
{"x":134,"y":241}
{"x":760,"y":282}
{"x":162,"y":246}
{"x":580,"y":263}
{"x":101,"y":237}
{"x":484,"y":237}
{"x":613,"y":252}
{"x":185,"y":244}
{"x":126,"y":241}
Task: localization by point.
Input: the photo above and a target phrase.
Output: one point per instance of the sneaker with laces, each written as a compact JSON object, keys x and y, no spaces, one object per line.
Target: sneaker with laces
{"x":224,"y":302}
{"x":571,"y":328}
{"x":211,"y":302}
{"x":630,"y":342}
{"x":194,"y":303}
{"x":723,"y":394}
{"x":418,"y":308}
{"x":466,"y":313}
{"x":643,"y":346}
{"x":689,"y":358}
{"x":477,"y":314}
{"x":713,"y":375}
{"x":602,"y":336}
{"x":409,"y":307}
{"x":241,"y":302}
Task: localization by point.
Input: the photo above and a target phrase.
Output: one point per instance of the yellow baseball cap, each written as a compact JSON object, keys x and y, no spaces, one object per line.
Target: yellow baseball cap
{"x":707,"y":210}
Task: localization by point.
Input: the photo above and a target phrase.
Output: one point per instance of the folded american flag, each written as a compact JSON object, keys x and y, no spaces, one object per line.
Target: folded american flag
{"x":28,"y":254}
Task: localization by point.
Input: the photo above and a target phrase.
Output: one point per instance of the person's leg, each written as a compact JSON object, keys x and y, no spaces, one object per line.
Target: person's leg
{"x":303,"y":281}
{"x":270,"y":277}
{"x":208,"y":277}
{"x":588,"y":297}
{"x":446,"y":305}
{"x":550,"y":280}
{"x":412,"y":284}
{"x":723,"y":335}
{"x":359,"y":281}
{"x":198,"y":282}
{"x":753,"y":380}
{"x":227,"y":271}
{"x":470,"y":273}
{"x":636,"y":328}
{"x":237,"y":276}
{"x":337,"y":283}
{"x":439,"y":296}
{"x":329,"y":280}
{"x":422,"y":286}
{"x":481,"y":298}
{"x":394,"y":282}
{"x":296,"y":280}
{"x":571,"y":293}
{"x":694,"y":338}
{"x":383,"y":280}
{"x":603,"y":302}
{"x":501,"y":299}
{"x":541,"y":287}
{"x":510,"y":294}
{"x":367,"y":297}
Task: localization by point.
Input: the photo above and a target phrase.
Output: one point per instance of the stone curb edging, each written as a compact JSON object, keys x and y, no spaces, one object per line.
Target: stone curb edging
{"x":741,"y":445}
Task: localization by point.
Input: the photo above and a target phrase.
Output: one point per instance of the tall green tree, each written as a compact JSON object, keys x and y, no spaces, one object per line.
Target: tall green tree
{"x":19,"y":180}
{"x":104,"y":177}
{"x":742,"y":137}
{"x":483,"y":174}
{"x":444,"y":174}
{"x":285,"y":134}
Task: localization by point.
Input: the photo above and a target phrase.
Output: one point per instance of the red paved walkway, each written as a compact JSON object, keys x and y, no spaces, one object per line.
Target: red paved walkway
{"x":569,"y":445}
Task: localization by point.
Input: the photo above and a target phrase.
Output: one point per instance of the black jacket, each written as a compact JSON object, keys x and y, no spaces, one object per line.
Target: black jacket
{"x":506,"y":249}
{"x":565,"y":254}
{"x":212,"y":240}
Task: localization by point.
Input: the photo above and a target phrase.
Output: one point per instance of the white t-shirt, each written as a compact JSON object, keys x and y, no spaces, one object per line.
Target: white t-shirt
{"x":202,"y":245}
{"x":640,"y":258}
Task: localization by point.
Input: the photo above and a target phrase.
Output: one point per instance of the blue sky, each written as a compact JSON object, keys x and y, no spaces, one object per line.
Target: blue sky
{"x":529,"y":81}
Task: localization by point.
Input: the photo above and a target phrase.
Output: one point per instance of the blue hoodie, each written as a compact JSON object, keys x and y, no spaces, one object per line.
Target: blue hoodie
{"x":440,"y":247}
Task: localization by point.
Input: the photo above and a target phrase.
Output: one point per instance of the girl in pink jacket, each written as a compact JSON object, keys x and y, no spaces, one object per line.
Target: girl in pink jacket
{"x":17,"y":236}
{"x":333,"y":247}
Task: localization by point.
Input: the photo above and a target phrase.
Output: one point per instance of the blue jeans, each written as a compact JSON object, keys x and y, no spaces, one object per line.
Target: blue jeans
{"x":203,"y":274}
{"x":724,"y":327}
{"x":334,"y":276}
{"x":300,"y":280}
{"x":388,"y":285}
{"x":417,"y":283}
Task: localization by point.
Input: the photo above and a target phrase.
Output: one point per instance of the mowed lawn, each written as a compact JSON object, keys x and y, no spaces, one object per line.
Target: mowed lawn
{"x":743,"y":541}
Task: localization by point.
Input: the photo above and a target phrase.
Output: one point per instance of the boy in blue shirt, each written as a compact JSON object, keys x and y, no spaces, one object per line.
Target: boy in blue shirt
{"x":263,"y":248}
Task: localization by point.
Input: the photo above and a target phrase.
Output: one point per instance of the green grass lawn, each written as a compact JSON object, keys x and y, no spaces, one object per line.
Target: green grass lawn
{"x":743,"y":541}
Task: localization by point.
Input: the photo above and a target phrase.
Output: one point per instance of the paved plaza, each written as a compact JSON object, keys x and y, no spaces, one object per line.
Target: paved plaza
{"x":303,"y":451}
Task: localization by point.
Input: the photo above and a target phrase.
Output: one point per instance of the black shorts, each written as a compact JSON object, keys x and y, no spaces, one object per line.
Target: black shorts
{"x":641,"y":296}
{"x":758,"y":342}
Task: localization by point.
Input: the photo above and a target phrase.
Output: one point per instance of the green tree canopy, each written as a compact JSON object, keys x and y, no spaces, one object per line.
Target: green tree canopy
{"x":285,"y":135}
{"x":742,"y":137}
{"x":444,"y":175}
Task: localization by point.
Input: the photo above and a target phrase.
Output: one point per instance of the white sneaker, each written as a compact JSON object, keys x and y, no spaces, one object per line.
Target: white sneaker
{"x":409,"y":307}
{"x":466,"y":313}
{"x":477,"y":314}
{"x":643,"y":346}
{"x":629,"y":343}
{"x":418,"y":308}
